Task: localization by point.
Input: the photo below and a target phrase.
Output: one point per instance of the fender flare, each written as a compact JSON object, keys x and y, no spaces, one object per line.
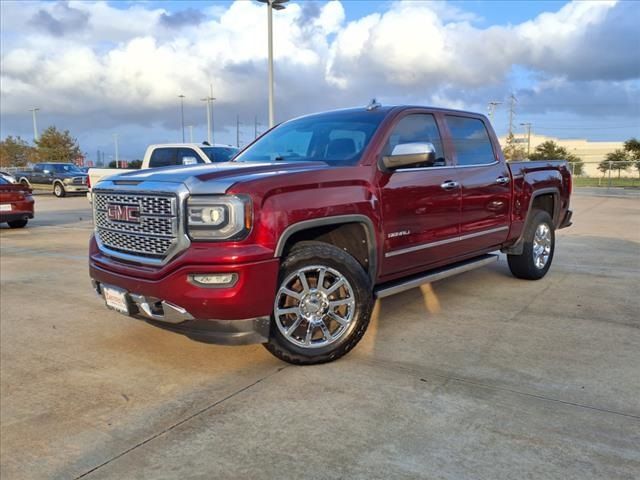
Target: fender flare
{"x":518,"y":245}
{"x":364,"y":220}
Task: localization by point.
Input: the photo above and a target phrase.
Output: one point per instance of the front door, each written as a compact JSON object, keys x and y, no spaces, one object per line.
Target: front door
{"x":420,"y":204}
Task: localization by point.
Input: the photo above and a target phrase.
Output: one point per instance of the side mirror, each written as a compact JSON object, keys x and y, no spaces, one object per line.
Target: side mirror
{"x":47,"y":172}
{"x":408,"y":154}
{"x":189,"y":160}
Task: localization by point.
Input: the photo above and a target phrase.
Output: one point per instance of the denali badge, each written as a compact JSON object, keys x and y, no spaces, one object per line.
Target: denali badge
{"x":123,"y":213}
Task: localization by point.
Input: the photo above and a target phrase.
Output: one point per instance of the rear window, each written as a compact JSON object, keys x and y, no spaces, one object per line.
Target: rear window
{"x":470,"y":140}
{"x":163,"y":157}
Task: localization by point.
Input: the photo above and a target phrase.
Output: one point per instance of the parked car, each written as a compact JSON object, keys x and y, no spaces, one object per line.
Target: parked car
{"x":8,"y":177}
{"x":63,"y":178}
{"x":291,"y":242}
{"x":16,"y":203}
{"x":171,"y":154}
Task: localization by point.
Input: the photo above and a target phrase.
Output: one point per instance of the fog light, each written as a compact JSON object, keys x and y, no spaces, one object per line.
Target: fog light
{"x":215,"y":279}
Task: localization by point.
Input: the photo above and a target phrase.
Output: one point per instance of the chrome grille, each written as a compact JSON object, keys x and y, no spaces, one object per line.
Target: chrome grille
{"x":153,"y":235}
{"x":79,"y":180}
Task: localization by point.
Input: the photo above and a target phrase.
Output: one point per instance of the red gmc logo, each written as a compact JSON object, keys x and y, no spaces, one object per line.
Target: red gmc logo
{"x":123,"y":213}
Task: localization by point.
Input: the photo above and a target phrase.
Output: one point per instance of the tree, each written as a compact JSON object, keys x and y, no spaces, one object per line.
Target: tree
{"x":135,"y":164}
{"x":56,"y":146}
{"x":616,"y":160}
{"x":15,"y":152}
{"x":632,"y":147}
{"x":513,"y":151}
{"x":550,"y":150}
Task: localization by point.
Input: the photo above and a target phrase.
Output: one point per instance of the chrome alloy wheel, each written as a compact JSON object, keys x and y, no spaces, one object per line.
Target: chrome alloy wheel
{"x":314,"y":307}
{"x":541,"y":246}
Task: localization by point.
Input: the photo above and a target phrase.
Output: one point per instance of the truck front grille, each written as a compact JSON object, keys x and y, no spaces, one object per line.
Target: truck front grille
{"x":79,"y":180}
{"x":138,"y":225}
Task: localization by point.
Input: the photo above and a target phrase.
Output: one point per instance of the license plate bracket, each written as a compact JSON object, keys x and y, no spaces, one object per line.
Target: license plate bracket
{"x":116,"y":299}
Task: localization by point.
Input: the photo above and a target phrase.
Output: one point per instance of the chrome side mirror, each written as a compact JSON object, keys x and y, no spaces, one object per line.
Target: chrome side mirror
{"x":189,"y":160}
{"x":408,"y":154}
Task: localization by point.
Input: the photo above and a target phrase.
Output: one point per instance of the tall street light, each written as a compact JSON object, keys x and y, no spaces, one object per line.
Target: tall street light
{"x":272,"y":5}
{"x":115,"y":141}
{"x":528,"y":127}
{"x":181,"y":97}
{"x":35,"y":124}
{"x":190,"y":133}
{"x":209,"y":101}
{"x":492,"y":108}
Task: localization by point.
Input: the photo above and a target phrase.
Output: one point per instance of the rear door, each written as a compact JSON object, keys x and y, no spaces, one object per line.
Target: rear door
{"x":485,"y":181}
{"x":421,"y":211}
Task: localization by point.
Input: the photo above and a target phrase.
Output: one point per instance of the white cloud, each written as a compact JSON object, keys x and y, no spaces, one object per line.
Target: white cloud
{"x":96,"y":63}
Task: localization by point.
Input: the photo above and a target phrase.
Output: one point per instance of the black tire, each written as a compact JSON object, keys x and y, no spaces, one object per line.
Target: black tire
{"x":58,"y":190}
{"x":18,"y":223}
{"x":311,"y":255}
{"x":524,"y":265}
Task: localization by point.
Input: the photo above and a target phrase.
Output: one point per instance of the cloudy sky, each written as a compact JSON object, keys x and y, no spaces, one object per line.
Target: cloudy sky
{"x":99,"y":68}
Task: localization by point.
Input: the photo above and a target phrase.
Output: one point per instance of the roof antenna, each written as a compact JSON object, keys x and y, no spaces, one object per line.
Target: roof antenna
{"x":373,"y":104}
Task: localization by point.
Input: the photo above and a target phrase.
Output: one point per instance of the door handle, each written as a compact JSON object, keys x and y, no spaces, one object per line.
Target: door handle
{"x":449,"y":185}
{"x":503,"y":180}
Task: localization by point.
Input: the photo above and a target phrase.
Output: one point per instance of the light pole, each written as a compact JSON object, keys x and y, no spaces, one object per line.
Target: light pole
{"x":35,"y":124}
{"x":528,"y":127}
{"x":181,"y":97}
{"x":190,"y":133}
{"x":492,"y":108}
{"x":115,"y":140}
{"x":272,"y":5}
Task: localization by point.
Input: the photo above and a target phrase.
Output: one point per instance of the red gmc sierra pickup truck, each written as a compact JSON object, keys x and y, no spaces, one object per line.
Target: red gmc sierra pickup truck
{"x":290,"y":243}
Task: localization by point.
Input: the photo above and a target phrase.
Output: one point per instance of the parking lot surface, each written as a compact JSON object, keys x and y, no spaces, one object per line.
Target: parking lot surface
{"x":479,"y":376}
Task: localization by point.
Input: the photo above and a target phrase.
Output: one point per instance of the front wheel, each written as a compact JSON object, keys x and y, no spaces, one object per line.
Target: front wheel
{"x":58,"y":190}
{"x":539,"y":245}
{"x":322,"y":306}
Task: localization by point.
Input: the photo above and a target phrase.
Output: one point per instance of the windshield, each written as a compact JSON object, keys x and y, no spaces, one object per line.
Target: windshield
{"x":65,"y":168}
{"x":336,"y":138}
{"x":220,"y":154}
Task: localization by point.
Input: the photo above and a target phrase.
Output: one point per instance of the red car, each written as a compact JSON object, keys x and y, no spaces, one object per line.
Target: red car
{"x":16,"y":204}
{"x":290,"y":243}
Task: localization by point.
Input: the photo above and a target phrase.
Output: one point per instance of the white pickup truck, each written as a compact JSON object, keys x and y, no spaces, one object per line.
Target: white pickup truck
{"x":170,"y":154}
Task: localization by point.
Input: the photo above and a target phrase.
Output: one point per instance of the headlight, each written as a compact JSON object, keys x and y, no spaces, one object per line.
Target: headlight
{"x":67,"y":181}
{"x":223,"y":217}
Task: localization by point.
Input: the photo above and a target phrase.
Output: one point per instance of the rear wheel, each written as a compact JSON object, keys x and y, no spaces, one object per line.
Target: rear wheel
{"x":18,"y":223}
{"x":58,"y":190}
{"x":539,"y":246}
{"x":322,"y":306}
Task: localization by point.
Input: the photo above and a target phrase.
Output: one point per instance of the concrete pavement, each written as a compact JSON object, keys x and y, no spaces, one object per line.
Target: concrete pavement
{"x":477,"y":376}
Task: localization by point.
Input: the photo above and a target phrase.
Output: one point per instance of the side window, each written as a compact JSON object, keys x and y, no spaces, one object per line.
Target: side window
{"x":471,"y":140}
{"x":191,"y":156}
{"x":164,"y":157}
{"x":38,"y":167}
{"x":417,"y":128}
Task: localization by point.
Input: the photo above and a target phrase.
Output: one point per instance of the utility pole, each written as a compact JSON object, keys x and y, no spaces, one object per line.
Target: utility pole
{"x":491,"y":107}
{"x":238,"y":131}
{"x":255,"y":127}
{"x":115,"y":140}
{"x":512,"y":112}
{"x":190,"y":133}
{"x":181,"y":97}
{"x":528,"y":127}
{"x":209,"y":99}
{"x":35,"y":123}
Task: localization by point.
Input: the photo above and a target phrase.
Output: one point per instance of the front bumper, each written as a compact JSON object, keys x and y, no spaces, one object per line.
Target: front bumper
{"x":172,"y":317}
{"x":75,"y":188}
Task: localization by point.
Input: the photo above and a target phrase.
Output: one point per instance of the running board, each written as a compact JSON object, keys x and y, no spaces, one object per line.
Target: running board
{"x":392,"y":288}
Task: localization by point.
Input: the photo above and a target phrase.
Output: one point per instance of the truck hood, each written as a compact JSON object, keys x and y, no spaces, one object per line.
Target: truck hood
{"x":214,"y":178}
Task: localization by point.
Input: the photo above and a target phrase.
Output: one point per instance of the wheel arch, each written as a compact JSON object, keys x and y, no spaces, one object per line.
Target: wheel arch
{"x":549,"y":200}
{"x":341,"y":231}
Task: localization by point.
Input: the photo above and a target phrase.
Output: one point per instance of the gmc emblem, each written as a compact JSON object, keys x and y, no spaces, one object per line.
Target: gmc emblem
{"x":123,"y":213}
